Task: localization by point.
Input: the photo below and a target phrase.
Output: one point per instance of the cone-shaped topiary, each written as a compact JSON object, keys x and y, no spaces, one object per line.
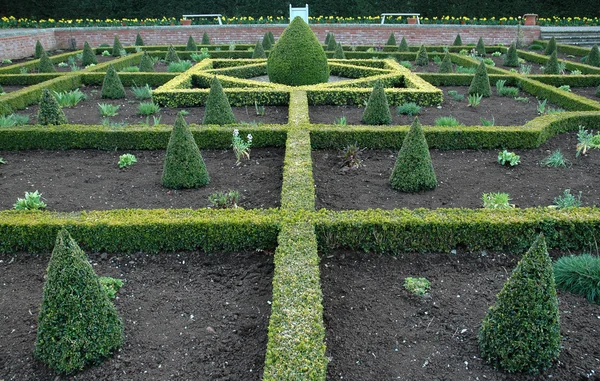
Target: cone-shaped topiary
{"x":403,"y":46}
{"x":78,"y":325}
{"x":481,"y":82}
{"x":327,"y":37}
{"x":191,"y":45}
{"x":378,"y":110}
{"x":112,"y":87}
{"x":205,"y":39}
{"x":422,"y":57}
{"x":171,"y":55}
{"x":391,"y":39}
{"x":39,"y":49}
{"x":598,"y":91}
{"x":266,"y":42}
{"x":184,"y":166}
{"x":147,"y":64}
{"x":298,"y":58}
{"x":217,"y":110}
{"x":88,"y":56}
{"x":521,"y":332}
{"x":413,"y":171}
{"x":551,"y":47}
{"x":45,"y":65}
{"x":480,"y":48}
{"x":551,"y":66}
{"x":331,"y":43}
{"x":138,"y":40}
{"x":50,"y":111}
{"x":339,"y":52}
{"x":259,"y":52}
{"x":271,"y":37}
{"x":593,"y":58}
{"x":512,"y":59}
{"x":446,"y":66}
{"x":457,"y":41}
{"x":117,"y":47}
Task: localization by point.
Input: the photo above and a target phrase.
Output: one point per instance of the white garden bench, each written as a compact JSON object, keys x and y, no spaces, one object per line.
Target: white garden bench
{"x":217,"y":15}
{"x":383,"y":16}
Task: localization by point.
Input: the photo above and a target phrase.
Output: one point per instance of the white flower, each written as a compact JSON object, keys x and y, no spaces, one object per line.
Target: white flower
{"x":249,"y":137}
{"x":236,"y":132}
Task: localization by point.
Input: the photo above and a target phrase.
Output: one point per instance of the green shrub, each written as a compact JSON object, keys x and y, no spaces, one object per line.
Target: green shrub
{"x":391,"y":39}
{"x":481,"y":82}
{"x":271,"y":37}
{"x":147,"y":108}
{"x":32,"y":201}
{"x":567,"y":200}
{"x":39,"y":49}
{"x":217,"y":110}
{"x":106,"y":109}
{"x":184,"y":166}
{"x":593,"y":58}
{"x":266,"y":42}
{"x":521,"y":332}
{"x":447,"y":121}
{"x":422,"y":57}
{"x":224,"y":200}
{"x":339,"y":52}
{"x":378,"y":110}
{"x":413,"y":171}
{"x":179,"y":66}
{"x":117,"y":47}
{"x":259,"y":52}
{"x":45,"y":65}
{"x":331,"y":43}
{"x":298,"y":58}
{"x":112,"y":87}
{"x":147,"y":63}
{"x":110,"y":285}
{"x":138,"y":40}
{"x":191,"y":45}
{"x":446,"y":66}
{"x":457,"y":41}
{"x":551,"y":47}
{"x":480,"y":48}
{"x":417,"y":286}
{"x":556,"y":160}
{"x":579,"y":274}
{"x":511,"y":59}
{"x":77,"y":325}
{"x":171,"y":55}
{"x":205,"y":39}
{"x":126,"y":160}
{"x":327,"y":37}
{"x":69,"y":98}
{"x":552,"y":66}
{"x":409,"y":108}
{"x":50,"y":112}
{"x":403,"y":47}
{"x":497,"y":200}
{"x":89,"y":57}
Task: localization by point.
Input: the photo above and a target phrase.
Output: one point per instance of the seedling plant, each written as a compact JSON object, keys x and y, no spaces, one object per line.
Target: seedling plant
{"x":508,"y":158}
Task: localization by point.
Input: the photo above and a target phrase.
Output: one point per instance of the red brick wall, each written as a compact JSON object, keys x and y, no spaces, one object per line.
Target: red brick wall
{"x":21,"y":43}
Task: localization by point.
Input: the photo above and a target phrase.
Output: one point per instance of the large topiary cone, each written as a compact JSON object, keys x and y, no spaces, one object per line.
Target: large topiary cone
{"x":331,"y":43}
{"x":138,"y":40}
{"x":297,"y":58}
{"x":446,"y":66}
{"x":457,"y":41}
{"x":413,"y":171}
{"x":551,"y":47}
{"x":146,"y":64}
{"x":593,"y":58}
{"x":171,"y":55}
{"x":403,"y":47}
{"x":45,"y":65}
{"x":266,"y":42}
{"x":552,"y":66}
{"x":117,"y":47}
{"x":512,"y":58}
{"x":422,"y":57}
{"x":481,"y":82}
{"x":480,"y":48}
{"x":50,"y":111}
{"x":205,"y":39}
{"x":339,"y":52}
{"x":259,"y":52}
{"x":521,"y":332}
{"x":217,"y":110}
{"x":191,"y":45}
{"x":112,"y":87}
{"x":378,"y":110}
{"x":77,"y":325}
{"x":88,"y":57}
{"x":184,"y":166}
{"x":39,"y":49}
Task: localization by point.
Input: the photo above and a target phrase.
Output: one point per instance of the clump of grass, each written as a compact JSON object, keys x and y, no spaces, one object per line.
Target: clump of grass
{"x":147,"y":108}
{"x":497,"y":200}
{"x":13,"y":120}
{"x":567,"y":200}
{"x":106,"y":109}
{"x":487,"y":122}
{"x":341,"y":121}
{"x":406,"y":64}
{"x":179,"y":66}
{"x":142,"y":92}
{"x":408,"y":108}
{"x":465,"y":70}
{"x":455,"y":95}
{"x":447,"y":121}
{"x":130,"y":69}
{"x":579,"y":274}
{"x":69,"y":98}
{"x":224,"y":200}
{"x":556,"y":160}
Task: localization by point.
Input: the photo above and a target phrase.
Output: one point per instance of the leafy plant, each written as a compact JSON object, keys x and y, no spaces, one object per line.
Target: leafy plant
{"x":575,"y":72}
{"x":2,"y":161}
{"x":556,"y":159}
{"x":105,"y":53}
{"x":69,"y":98}
{"x":579,"y":274}
{"x":567,"y":200}
{"x":341,"y":121}
{"x":496,"y":200}
{"x":487,"y":122}
{"x":475,"y":100}
{"x":110,"y":285}
{"x":522,"y":99}
{"x":32,"y":201}
{"x":496,"y":54}
{"x":260,"y":110}
{"x":437,"y":60}
{"x":455,"y":95}
{"x":179,"y":66}
{"x":417,"y":286}
{"x":544,"y":109}
{"x":106,"y":109}
{"x":130,"y":69}
{"x":525,"y":69}
{"x":406,"y":64}
{"x":504,"y":90}
{"x":126,"y":160}
{"x":147,"y":108}
{"x":465,"y":70}
{"x":489,"y":62}
{"x":241,"y":148}
{"x":142,"y":92}
{"x":351,"y":156}
{"x":586,"y":141}
{"x":224,"y":200}
{"x":447,"y":121}
{"x":408,"y":108}
{"x":62,"y":64}
{"x":203,"y":55}
{"x":565,"y":88}
{"x":13,"y":120}
{"x":508,"y":158}
{"x":108,"y":123}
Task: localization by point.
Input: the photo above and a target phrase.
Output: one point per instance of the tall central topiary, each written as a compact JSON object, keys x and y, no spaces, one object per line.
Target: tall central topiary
{"x":298,"y":58}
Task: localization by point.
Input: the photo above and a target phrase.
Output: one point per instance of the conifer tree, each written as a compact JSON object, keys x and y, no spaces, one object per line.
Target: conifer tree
{"x":50,"y":111}
{"x":205,"y":39}
{"x":88,"y":56}
{"x":457,"y":41}
{"x":146,"y":64}
{"x":552,"y":66}
{"x":171,"y":55}
{"x":45,"y":65}
{"x":332,"y":43}
{"x":217,"y":110}
{"x":271,"y":37}
{"x":191,"y":45}
{"x":327,"y":37}
{"x":551,"y":47}
{"x":446,"y":66}
{"x":138,"y":40}
{"x":117,"y":47}
{"x":39,"y":49}
{"x":512,"y":59}
{"x":266,"y":42}
{"x":339,"y":52}
{"x":481,"y":82}
{"x":403,"y":46}
{"x":391,"y":39}
{"x":422,"y":57}
{"x":593,"y":58}
{"x":112,"y":87}
{"x":480,"y":47}
{"x":259,"y":52}
{"x":377,"y":111}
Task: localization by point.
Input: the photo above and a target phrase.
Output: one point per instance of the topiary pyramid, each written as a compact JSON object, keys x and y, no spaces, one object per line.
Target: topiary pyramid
{"x":327,"y":37}
{"x":391,"y":39}
{"x":378,"y":110}
{"x":184,"y":166}
{"x":217,"y":110}
{"x":521,"y":332}
{"x":171,"y":55}
{"x":403,"y":46}
{"x":146,"y":64}
{"x":266,"y":42}
{"x":331,"y":43}
{"x":45,"y":65}
{"x":598,"y":91}
{"x":298,"y":58}
{"x":593,"y":58}
{"x":422,"y":57}
{"x":481,"y":82}
{"x":551,"y":66}
{"x":271,"y":37}
{"x":191,"y":45}
{"x":551,"y":47}
{"x":457,"y":41}
{"x":339,"y":52}
{"x":39,"y":49}
{"x":138,"y":40}
{"x":259,"y":52}
{"x":50,"y":111}
{"x":78,"y":325}
{"x":205,"y":39}
{"x":112,"y":87}
{"x":413,"y":171}
{"x":117,"y":47}
{"x":88,"y":56}
{"x":511,"y":59}
{"x":480,"y":48}
{"x":446,"y":66}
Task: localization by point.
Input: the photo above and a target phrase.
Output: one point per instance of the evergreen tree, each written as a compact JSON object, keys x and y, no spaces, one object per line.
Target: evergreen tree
{"x":422,"y":57}
{"x":39,"y":49}
{"x":446,"y":66}
{"x":45,"y":65}
{"x":551,"y":47}
{"x":332,"y":43}
{"x":457,"y":41}
{"x":271,"y":37}
{"x":593,"y":58}
{"x":512,"y":59}
{"x":50,"y":111}
{"x":117,"y":47}
{"x":191,"y":45}
{"x":138,"y":40}
{"x":259,"y":51}
{"x":88,"y":56}
{"x":480,"y":47}
{"x":112,"y":87}
{"x":327,"y":37}
{"x":552,"y":66}
{"x":205,"y":39}
{"x":598,"y":91}
{"x":403,"y":46}
{"x":217,"y":110}
{"x":171,"y":55}
{"x":481,"y":82}
{"x":391,"y":39}
{"x":266,"y":42}
{"x":377,"y":111}
{"x":147,"y":64}
{"x":339,"y":52}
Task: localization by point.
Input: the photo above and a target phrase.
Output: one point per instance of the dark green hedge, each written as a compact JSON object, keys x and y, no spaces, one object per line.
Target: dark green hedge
{"x":585,"y":80}
{"x":237,"y":97}
{"x":17,"y":100}
{"x":26,"y":79}
{"x":130,"y":79}
{"x":33,"y":64}
{"x":568,"y":101}
{"x":340,"y":96}
{"x":542,"y":59}
{"x":567,"y":49}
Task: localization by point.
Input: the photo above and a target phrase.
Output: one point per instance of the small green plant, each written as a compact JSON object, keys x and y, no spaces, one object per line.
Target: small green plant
{"x":260,"y":110}
{"x":23,"y":70}
{"x":241,"y":148}
{"x":567,"y":200}
{"x":203,"y":55}
{"x":487,"y":122}
{"x":13,"y":120}
{"x":586,"y":141}
{"x":508,"y":158}
{"x":341,"y":121}
{"x":505,"y":91}
{"x":447,"y":121}
{"x":417,"y":286}
{"x":69,"y":98}
{"x":525,"y":69}
{"x":106,"y":109}
{"x":536,"y":46}
{"x":231,"y":46}
{"x":179,"y":66}
{"x":496,"y":200}
{"x":142,"y":92}
{"x":351,"y":156}
{"x":406,"y":64}
{"x":565,"y":88}
{"x":147,"y":108}
{"x":489,"y":62}
{"x":2,"y":161}
{"x":455,"y":95}
{"x":224,"y":200}
{"x":6,"y":61}
{"x":463,"y":52}
{"x":105,"y":53}
{"x":544,"y":109}
{"x":32,"y":201}
{"x":110,"y":285}
{"x":437,"y":60}
{"x":556,"y":159}
{"x":108,"y":123}
{"x":522,"y":99}
{"x":475,"y":100}
{"x":126,"y":160}
{"x":579,"y":274}
{"x":62,"y":64}
{"x":465,"y":70}
{"x":576,"y":72}
{"x":497,"y":54}
{"x":130,"y":69}
{"x":408,"y":108}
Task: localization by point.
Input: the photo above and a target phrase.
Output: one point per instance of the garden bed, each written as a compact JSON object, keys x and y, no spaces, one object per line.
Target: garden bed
{"x":376,"y":329}
{"x":186,"y":316}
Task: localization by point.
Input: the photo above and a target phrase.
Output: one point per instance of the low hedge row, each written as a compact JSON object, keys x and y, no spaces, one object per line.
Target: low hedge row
{"x":542,"y":59}
{"x":565,"y":99}
{"x":586,"y":80}
{"x":343,"y":69}
{"x":179,"y":48}
{"x":454,"y":79}
{"x":130,"y":79}
{"x":468,"y":61}
{"x":341,"y":96}
{"x":566,"y":49}
{"x":33,"y":64}
{"x":17,"y":100}
{"x":26,"y":79}
{"x":246,"y":71}
{"x":236,"y":97}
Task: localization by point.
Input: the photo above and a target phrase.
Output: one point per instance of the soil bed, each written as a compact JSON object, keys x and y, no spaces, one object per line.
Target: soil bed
{"x":186,"y":315}
{"x":462,"y":176}
{"x":588,"y":92}
{"x":376,"y":329}
{"x":76,"y":180}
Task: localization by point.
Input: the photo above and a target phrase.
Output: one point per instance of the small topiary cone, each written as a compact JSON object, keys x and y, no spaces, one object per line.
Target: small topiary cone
{"x":205,"y":39}
{"x":39,"y":49}
{"x":88,"y":56}
{"x":138,"y":40}
{"x":403,"y":46}
{"x":457,"y":41}
{"x":266,"y":42}
{"x":391,"y":39}
{"x":271,"y":37}
{"x":171,"y":55}
{"x":327,"y":37}
{"x":593,"y":58}
{"x":217,"y":110}
{"x":413,"y":171}
{"x":112,"y":87}
{"x":78,"y":325}
{"x":422,"y":57}
{"x":551,"y":47}
{"x":146,"y":65}
{"x":446,"y":66}
{"x":377,"y":111}
{"x":521,"y":332}
{"x":117,"y":47}
{"x":184,"y":166}
{"x":259,"y":52}
{"x":551,"y":66}
{"x":598,"y":91}
{"x":480,"y":48}
{"x":191,"y":45}
{"x":45,"y":65}
{"x":339,"y":52}
{"x":50,"y":111}
{"x":332,"y":43}
{"x":481,"y":82}
{"x":512,"y":59}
